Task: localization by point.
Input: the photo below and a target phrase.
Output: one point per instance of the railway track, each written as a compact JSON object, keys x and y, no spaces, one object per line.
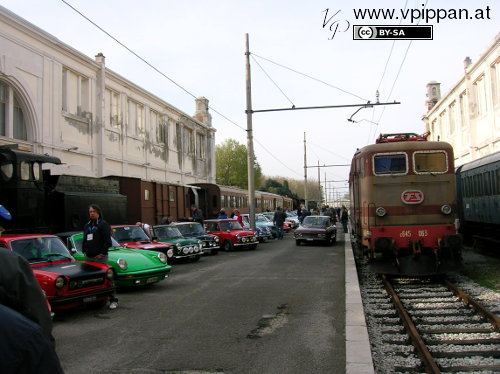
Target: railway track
{"x":429,"y":326}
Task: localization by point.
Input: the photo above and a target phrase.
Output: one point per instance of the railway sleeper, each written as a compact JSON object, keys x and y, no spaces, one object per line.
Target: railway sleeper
{"x":471,"y":368}
{"x":469,"y":353}
{"x":455,"y":330}
{"x":431,"y":341}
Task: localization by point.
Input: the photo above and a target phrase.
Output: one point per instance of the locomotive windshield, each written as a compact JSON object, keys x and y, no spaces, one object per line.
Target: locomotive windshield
{"x":393,"y":163}
{"x":430,"y":162}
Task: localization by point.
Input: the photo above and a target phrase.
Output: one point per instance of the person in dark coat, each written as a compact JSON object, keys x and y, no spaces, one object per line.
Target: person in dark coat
{"x":97,"y":241}
{"x":196,"y":214}
{"x":344,"y":217}
{"x":278,"y":220}
{"x":24,"y":346}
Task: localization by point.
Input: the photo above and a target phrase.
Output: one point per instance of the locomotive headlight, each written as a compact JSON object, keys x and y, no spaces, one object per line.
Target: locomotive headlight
{"x":122,"y":263}
{"x":59,"y":283}
{"x":380,"y":211}
{"x":446,"y":209}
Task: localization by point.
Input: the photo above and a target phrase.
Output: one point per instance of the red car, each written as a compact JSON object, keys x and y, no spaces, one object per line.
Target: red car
{"x":67,"y":283}
{"x":134,"y":237}
{"x":231,"y":234}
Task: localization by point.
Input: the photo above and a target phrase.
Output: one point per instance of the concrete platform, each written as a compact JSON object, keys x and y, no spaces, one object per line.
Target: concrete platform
{"x":357,"y":344}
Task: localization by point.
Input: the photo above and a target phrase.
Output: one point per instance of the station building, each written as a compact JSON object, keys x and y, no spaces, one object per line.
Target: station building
{"x":468,"y":115}
{"x":57,"y":101}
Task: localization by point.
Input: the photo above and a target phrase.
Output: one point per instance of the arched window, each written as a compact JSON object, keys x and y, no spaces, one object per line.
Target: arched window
{"x":12,"y":119}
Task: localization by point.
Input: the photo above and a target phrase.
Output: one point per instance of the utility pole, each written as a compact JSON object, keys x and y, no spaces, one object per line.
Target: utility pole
{"x":250,"y":160}
{"x":320,"y":200}
{"x":305,"y":174}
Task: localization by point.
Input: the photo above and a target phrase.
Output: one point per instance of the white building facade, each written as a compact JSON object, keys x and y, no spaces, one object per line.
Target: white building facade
{"x":468,"y":115}
{"x":55,"y":100}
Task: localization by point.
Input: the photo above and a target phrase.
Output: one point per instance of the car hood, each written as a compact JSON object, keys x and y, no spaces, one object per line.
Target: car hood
{"x":180,"y":241}
{"x":70,"y":269}
{"x":136,"y":260}
{"x":312,"y":230}
{"x":144,"y":245}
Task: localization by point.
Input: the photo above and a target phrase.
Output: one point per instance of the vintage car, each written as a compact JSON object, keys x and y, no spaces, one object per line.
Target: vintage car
{"x":132,"y":267}
{"x":316,"y":229}
{"x":293,"y":219}
{"x":287,"y":226}
{"x":134,"y":237}
{"x":67,"y":283}
{"x":188,"y":248}
{"x":231,"y":234}
{"x":197,"y":231}
{"x":263,"y":228}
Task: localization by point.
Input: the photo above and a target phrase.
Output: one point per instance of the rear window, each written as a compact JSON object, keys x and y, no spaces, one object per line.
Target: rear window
{"x":430,"y":162}
{"x":390,"y":163}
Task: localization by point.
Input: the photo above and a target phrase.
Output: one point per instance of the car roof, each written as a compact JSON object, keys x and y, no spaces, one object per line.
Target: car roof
{"x":26,"y":236}
{"x":221,"y":220}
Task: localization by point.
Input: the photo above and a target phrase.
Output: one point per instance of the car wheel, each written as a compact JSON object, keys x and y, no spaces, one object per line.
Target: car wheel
{"x":334,"y":240}
{"x":213,"y":252}
{"x":227,"y":246}
{"x":297,"y":242}
{"x":253,"y":246}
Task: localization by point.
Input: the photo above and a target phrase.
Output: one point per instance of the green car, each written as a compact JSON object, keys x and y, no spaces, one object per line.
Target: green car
{"x":190,"y":248}
{"x":132,"y":267}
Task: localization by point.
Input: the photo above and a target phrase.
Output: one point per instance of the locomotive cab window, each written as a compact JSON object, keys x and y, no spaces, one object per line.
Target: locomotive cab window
{"x":430,"y":162}
{"x":390,"y":163}
{"x":7,"y":170}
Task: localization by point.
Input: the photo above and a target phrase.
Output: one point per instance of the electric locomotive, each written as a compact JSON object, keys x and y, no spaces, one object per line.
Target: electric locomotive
{"x":403,"y":205}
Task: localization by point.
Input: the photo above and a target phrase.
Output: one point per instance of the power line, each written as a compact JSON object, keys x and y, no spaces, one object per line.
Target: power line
{"x":310,"y":77}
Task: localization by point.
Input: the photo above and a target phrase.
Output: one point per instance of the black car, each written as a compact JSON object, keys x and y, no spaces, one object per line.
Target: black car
{"x":196,"y":230}
{"x":316,"y":229}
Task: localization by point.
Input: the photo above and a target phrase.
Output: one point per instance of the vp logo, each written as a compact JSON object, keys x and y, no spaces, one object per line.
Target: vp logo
{"x":335,"y":25}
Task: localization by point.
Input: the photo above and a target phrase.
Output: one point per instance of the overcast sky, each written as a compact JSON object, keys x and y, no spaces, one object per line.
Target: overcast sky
{"x":200,"y":45}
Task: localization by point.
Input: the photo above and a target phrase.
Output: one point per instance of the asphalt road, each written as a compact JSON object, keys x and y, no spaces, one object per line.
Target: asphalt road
{"x":277,"y":309}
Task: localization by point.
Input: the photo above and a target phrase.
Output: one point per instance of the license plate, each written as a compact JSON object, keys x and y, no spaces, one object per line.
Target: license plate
{"x":152,"y":280}
{"x":89,"y":299}
{"x":310,"y":239}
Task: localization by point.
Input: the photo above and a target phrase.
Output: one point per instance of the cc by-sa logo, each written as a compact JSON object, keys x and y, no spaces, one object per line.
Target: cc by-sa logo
{"x":366,"y":32}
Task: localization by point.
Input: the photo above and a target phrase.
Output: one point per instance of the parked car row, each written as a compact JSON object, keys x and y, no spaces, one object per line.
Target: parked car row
{"x":134,"y":259}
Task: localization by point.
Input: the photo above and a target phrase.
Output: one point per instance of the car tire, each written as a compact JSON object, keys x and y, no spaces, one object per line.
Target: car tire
{"x":334,"y":240}
{"x":214,"y":252}
{"x":227,"y":246}
{"x":253,"y":247}
{"x":297,"y":242}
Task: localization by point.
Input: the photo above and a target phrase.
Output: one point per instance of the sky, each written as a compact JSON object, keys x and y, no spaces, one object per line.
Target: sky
{"x":302,"y":54}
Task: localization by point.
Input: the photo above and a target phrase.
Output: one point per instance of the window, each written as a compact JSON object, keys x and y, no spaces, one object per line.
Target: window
{"x":390,"y":163}
{"x":14,"y":125}
{"x":200,"y":146}
{"x":75,"y":93}
{"x":451,"y":117}
{"x":146,"y":194}
{"x":160,"y":124}
{"x":171,"y":196}
{"x":495,"y":81}
{"x":430,"y":162}
{"x":7,"y":170}
{"x":188,"y":141}
{"x":112,"y":108}
{"x":24,"y":168}
{"x":480,"y":96}
{"x":136,"y":118}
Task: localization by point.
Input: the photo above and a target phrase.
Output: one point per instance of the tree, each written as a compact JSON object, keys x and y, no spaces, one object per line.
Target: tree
{"x":231,"y":165}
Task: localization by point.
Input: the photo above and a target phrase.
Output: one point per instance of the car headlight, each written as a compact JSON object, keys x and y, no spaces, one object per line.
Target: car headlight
{"x":110,"y":274}
{"x":60,"y":282}
{"x":446,"y":209}
{"x":122,"y":263}
{"x":216,"y":239}
{"x":380,"y":211}
{"x":162,"y":257}
{"x":170,"y":253}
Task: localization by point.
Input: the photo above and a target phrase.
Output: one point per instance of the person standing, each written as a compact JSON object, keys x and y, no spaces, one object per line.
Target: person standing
{"x":279,"y":220}
{"x":222,"y":214}
{"x":196,"y":214}
{"x":97,"y":241}
{"x":237,"y":216}
{"x":344,"y":217}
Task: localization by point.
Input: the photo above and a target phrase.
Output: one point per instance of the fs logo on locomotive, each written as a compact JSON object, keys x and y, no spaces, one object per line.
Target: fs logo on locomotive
{"x":412,"y":196}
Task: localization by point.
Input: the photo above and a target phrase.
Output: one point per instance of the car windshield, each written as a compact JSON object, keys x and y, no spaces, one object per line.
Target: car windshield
{"x":230,"y":225}
{"x":129,"y":234}
{"x":40,"y":248}
{"x":166,"y":232}
{"x":261,"y":218}
{"x":316,"y":221}
{"x":78,"y":241}
{"x":190,"y":229}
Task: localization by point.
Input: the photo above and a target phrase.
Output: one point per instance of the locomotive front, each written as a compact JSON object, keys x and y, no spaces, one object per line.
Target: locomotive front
{"x":404,"y":210}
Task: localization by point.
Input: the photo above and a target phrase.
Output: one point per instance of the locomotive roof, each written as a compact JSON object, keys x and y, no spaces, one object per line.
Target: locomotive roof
{"x":404,"y":146}
{"x":479,"y":162}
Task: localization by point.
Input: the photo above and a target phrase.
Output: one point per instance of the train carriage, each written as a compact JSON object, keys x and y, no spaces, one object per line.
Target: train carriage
{"x":403,"y":205}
